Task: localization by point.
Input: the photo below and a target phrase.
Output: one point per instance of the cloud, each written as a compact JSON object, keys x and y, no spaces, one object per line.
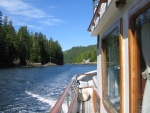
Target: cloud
{"x":51,"y":21}
{"x":17,"y":7}
{"x":24,"y":13}
{"x":32,"y":26}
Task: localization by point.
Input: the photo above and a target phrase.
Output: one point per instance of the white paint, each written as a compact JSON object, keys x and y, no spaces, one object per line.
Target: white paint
{"x":108,"y":18}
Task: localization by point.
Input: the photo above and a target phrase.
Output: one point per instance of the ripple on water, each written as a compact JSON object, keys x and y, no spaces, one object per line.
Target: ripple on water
{"x":35,"y":90}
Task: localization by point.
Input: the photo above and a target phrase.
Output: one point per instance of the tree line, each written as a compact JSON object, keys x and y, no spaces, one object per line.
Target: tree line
{"x":81,"y":53}
{"x":19,"y":48}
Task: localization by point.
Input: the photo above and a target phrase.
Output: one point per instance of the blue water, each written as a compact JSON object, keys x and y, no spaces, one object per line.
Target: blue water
{"x":36,"y":89}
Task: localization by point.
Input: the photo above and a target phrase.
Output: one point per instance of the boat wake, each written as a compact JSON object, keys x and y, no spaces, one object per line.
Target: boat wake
{"x":46,"y":100}
{"x":41,"y":98}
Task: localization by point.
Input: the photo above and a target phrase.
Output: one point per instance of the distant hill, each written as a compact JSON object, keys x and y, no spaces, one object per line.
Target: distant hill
{"x":80,"y":53}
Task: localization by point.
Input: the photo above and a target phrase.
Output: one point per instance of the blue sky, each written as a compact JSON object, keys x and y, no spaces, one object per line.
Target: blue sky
{"x":63,"y":20}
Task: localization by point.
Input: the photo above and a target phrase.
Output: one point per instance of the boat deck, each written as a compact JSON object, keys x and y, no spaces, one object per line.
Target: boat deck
{"x":86,"y":107}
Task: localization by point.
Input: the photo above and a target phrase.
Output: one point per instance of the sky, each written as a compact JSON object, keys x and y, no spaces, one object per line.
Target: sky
{"x":64,"y":20}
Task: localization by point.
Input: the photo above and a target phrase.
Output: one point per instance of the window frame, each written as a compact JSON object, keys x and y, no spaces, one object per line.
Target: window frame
{"x":134,"y":57}
{"x":110,"y":108}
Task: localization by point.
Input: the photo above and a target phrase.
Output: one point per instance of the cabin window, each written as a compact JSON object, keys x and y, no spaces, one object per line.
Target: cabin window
{"x":143,"y":35}
{"x":139,"y":43}
{"x":142,"y":29}
{"x":112,"y":76}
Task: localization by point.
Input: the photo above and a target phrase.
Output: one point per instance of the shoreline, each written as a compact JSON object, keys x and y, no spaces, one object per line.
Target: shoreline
{"x":40,"y":64}
{"x":27,"y":65}
{"x":89,"y":63}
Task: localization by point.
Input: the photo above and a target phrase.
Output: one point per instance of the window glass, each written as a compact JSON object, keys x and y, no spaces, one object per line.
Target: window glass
{"x":142,"y":29}
{"x":112,"y":88}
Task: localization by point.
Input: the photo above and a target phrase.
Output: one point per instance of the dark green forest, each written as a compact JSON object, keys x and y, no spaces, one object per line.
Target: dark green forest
{"x":77,"y":54}
{"x":19,"y":48}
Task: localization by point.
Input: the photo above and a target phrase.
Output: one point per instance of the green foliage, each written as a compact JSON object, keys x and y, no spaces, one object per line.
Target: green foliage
{"x":78,"y":54}
{"x":26,"y":47}
{"x":8,"y":42}
{"x":1,"y":18}
{"x":23,"y":39}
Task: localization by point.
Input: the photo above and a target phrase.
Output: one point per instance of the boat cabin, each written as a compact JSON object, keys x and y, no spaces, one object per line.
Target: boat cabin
{"x":122,"y":28}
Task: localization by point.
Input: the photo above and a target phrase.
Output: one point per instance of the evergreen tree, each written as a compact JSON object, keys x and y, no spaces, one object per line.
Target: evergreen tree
{"x":58,"y":54}
{"x":23,"y":42}
{"x":1,"y":21}
{"x":5,"y":41}
{"x":78,"y":54}
{"x":23,"y":47}
{"x":42,"y":48}
{"x":2,"y":46}
{"x":11,"y":46}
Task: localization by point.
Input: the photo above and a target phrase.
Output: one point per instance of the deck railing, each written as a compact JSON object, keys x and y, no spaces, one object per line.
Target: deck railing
{"x":98,"y":13}
{"x":68,"y":94}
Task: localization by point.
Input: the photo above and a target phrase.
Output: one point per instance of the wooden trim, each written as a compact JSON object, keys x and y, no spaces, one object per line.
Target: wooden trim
{"x":96,"y":96}
{"x":108,"y":106}
{"x":103,"y":53}
{"x":94,"y":101}
{"x":121,"y":68}
{"x":134,"y":56}
{"x":133,"y":70}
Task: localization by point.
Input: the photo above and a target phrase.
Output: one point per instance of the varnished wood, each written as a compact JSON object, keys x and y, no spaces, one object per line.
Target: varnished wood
{"x":103,"y":53}
{"x":131,"y":71}
{"x":96,"y":96}
{"x":134,"y":70}
{"x":121,"y":67}
{"x":134,"y":58}
{"x":94,"y":101}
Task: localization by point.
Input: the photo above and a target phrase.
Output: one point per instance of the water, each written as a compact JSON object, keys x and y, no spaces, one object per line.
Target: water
{"x":36,"y":89}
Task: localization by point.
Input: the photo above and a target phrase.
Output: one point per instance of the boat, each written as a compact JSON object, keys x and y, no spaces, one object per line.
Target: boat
{"x":121,"y":83}
{"x":77,"y":97}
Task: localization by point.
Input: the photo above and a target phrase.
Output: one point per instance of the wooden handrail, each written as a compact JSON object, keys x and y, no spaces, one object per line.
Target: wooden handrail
{"x":60,"y":101}
{"x":96,"y":95}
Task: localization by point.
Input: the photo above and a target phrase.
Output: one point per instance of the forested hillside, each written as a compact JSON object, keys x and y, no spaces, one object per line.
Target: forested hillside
{"x":23,"y":46}
{"x":78,"y":54}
